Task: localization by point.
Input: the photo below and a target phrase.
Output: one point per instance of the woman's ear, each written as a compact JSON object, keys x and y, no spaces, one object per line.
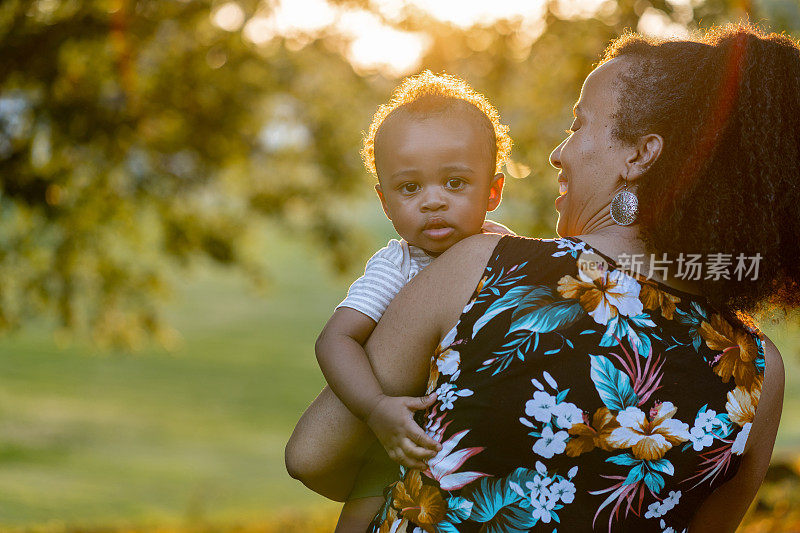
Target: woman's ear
{"x":648,"y":150}
{"x":495,"y":191}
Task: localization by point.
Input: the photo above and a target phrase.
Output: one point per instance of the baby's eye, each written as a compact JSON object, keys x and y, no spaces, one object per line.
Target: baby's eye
{"x":409,"y":188}
{"x":454,"y":183}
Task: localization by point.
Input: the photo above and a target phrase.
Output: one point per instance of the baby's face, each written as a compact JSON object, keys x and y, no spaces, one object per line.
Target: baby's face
{"x":437,"y":179}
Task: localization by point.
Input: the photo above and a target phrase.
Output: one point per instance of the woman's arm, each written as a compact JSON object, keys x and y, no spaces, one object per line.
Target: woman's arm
{"x":725,"y":508}
{"x":399,"y":349}
{"x":401,"y":346}
{"x":341,"y":357}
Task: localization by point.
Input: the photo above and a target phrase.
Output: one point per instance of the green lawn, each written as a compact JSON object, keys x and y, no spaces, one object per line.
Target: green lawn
{"x":152,"y":437}
{"x":106,"y":439}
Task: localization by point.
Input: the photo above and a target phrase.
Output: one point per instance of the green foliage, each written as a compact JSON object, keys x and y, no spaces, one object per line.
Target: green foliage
{"x":132,"y":138}
{"x":137,"y":137}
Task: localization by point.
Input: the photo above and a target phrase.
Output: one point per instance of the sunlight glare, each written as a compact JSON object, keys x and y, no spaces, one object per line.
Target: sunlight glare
{"x":570,"y":9}
{"x":229,"y":16}
{"x":658,"y":24}
{"x":289,"y":18}
{"x":466,"y":13}
{"x":259,"y":30}
{"x":376,"y":46}
{"x":293,"y":17}
{"x":373,"y":45}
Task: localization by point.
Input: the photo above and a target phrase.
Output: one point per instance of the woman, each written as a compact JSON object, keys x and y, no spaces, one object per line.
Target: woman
{"x":573,"y":394}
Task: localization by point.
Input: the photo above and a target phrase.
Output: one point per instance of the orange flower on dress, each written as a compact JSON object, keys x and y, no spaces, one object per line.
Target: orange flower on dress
{"x":649,"y":440}
{"x":742,"y":403}
{"x":654,"y":298}
{"x":588,"y":437}
{"x":738,"y":348}
{"x":419,"y":503}
{"x":445,"y":361}
{"x":603,"y":294}
{"x":392,"y":523}
{"x":479,"y":288}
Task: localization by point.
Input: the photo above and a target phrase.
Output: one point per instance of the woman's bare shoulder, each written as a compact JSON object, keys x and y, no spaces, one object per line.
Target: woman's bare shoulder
{"x":770,"y":404}
{"x":444,"y":287}
{"x":725,"y":507}
{"x":475,"y":250}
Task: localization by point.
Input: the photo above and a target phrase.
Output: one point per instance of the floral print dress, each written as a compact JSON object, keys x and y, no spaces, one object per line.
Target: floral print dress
{"x":574,"y":399}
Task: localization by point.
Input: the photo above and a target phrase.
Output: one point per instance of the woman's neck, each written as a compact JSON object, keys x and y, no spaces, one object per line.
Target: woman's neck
{"x":620,"y":241}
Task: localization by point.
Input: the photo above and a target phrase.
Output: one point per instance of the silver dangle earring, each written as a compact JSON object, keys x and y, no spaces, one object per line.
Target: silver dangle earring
{"x":624,"y":207}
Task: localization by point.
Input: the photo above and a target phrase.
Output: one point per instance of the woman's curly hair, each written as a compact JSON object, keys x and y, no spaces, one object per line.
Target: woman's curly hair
{"x":727,"y":104}
{"x":427,"y":94}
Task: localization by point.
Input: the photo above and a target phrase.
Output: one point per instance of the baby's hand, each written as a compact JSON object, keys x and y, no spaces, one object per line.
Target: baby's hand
{"x":490,"y":226}
{"x":392,"y":421}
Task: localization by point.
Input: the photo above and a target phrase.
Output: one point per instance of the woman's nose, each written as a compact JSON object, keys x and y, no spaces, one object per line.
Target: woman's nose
{"x":555,"y":155}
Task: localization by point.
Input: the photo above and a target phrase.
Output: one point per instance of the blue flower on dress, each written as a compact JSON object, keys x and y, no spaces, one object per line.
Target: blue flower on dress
{"x":694,"y":318}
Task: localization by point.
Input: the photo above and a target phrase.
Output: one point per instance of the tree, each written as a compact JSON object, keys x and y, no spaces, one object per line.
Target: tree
{"x":136,"y":136}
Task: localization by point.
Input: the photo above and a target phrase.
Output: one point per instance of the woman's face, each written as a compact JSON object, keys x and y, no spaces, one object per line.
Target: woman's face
{"x":591,"y":161}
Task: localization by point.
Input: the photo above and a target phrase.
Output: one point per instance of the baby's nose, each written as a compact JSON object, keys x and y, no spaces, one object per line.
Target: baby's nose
{"x":433,"y":200}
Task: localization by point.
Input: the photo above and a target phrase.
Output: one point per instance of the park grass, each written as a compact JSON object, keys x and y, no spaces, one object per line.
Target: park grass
{"x":193,"y":440}
{"x":93,"y":439}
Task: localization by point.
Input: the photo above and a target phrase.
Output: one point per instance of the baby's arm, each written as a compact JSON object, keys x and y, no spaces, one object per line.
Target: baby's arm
{"x":344,"y":363}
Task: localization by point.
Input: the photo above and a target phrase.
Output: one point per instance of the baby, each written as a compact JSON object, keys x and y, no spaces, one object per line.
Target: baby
{"x":436,"y":149}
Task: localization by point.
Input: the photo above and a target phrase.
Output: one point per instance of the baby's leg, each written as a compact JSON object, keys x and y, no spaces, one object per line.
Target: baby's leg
{"x":326,"y":448}
{"x":357,"y":514}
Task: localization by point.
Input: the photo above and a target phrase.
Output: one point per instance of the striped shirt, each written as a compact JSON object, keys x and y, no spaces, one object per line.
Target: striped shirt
{"x":385,"y":274}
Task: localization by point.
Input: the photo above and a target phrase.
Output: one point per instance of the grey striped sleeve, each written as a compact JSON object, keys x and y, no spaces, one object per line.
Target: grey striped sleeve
{"x":372,"y":292}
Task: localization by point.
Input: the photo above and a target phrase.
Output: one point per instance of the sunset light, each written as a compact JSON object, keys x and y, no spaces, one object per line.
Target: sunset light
{"x":374,"y":45}
{"x":230,"y":229}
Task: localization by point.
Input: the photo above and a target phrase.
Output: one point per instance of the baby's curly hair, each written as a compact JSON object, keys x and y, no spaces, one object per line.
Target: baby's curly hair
{"x":727,"y":104}
{"x":427,"y":94}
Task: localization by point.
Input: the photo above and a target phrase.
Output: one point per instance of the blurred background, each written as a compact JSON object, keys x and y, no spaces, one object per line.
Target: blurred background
{"x":182,"y":205}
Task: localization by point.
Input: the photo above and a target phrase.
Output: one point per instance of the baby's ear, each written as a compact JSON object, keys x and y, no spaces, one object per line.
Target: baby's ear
{"x":383,"y":200}
{"x":495,"y":191}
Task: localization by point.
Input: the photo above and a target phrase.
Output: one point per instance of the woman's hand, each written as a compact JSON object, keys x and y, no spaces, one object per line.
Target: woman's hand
{"x":490,"y":226}
{"x":392,"y":421}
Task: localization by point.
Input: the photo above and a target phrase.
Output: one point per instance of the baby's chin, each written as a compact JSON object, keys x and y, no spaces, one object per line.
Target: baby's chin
{"x":439,"y":250}
{"x":433,"y":251}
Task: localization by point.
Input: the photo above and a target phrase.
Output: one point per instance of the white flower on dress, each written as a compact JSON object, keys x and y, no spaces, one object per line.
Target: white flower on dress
{"x":541,"y":510}
{"x":659,"y":509}
{"x":448,"y":362}
{"x":669,"y":529}
{"x":702,"y":434}
{"x":541,"y":406}
{"x":604,"y":295}
{"x":550,"y":443}
{"x":707,"y":420}
{"x":539,"y":488}
{"x":563,"y":490}
{"x":567,"y":414}
{"x":741,"y":439}
{"x":700,"y":439}
{"x":571,"y":247}
{"x":447,"y":394}
{"x":649,"y":439}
